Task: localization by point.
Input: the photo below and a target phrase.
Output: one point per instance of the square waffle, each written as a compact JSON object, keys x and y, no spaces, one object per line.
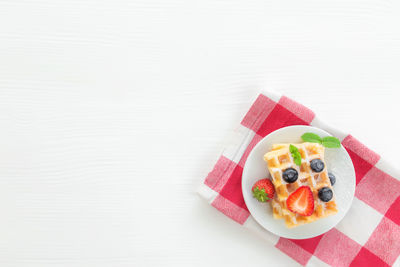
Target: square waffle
{"x":278,"y":160}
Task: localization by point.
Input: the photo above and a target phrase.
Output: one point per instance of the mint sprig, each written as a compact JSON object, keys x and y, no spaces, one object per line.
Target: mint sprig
{"x":328,"y":141}
{"x":295,"y":154}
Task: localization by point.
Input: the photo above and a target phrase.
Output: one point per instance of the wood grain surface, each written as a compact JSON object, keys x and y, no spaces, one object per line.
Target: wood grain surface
{"x":113,"y":112}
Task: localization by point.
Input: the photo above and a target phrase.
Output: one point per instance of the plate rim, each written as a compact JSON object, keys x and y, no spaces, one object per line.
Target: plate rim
{"x":245,"y":167}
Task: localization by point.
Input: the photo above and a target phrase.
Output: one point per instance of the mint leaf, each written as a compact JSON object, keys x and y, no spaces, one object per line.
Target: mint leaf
{"x":331,"y":142}
{"x":297,"y":160}
{"x":295,"y":154}
{"x":293,"y":149}
{"x":312,"y":138}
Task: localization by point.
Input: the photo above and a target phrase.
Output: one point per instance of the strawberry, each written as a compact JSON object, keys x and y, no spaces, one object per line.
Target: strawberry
{"x":263,"y":190}
{"x":301,"y":201}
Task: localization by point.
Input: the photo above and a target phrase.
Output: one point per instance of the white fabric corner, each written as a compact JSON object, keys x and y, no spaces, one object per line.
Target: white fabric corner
{"x":275,"y":96}
{"x":207,"y":193}
{"x":397,"y":263}
{"x":360,"y":221}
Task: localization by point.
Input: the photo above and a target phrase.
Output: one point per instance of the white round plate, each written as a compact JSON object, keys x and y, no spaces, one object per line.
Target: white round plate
{"x":338,"y":162}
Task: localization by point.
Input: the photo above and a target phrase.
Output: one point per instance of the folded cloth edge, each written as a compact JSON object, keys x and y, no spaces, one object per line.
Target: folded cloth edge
{"x":246,"y":219}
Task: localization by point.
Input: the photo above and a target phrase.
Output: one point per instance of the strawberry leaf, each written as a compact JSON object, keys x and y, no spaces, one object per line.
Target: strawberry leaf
{"x":260,"y":195}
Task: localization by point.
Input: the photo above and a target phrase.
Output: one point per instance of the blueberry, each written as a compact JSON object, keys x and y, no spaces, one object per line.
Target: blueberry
{"x":325,"y":194}
{"x":290,"y":175}
{"x":317,"y":165}
{"x":332,"y":178}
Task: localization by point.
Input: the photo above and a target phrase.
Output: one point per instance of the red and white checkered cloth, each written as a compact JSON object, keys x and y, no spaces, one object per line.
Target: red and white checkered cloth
{"x":369,"y":235}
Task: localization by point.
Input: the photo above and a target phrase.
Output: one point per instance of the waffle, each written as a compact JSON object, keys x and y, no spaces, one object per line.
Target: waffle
{"x":279,"y":159}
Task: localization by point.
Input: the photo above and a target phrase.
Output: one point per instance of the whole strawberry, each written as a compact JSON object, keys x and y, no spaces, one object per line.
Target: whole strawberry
{"x":263,"y":190}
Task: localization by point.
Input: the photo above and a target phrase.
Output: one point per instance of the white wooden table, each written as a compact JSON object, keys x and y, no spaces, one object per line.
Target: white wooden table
{"x":113,"y":112}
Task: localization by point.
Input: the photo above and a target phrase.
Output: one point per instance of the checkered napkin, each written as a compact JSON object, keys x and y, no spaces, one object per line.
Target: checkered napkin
{"x":369,"y":235}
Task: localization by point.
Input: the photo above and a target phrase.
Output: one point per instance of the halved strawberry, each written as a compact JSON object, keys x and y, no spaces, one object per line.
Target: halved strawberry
{"x":301,"y":201}
{"x":263,"y":190}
